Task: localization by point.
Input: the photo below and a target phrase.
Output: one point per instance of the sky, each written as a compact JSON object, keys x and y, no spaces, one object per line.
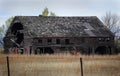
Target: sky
{"x":9,"y":8}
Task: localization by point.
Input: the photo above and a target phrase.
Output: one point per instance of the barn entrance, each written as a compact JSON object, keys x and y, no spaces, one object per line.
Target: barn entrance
{"x":103,"y":50}
{"x":39,"y":50}
{"x":44,"y":50}
{"x":17,"y":32}
{"x":48,"y":50}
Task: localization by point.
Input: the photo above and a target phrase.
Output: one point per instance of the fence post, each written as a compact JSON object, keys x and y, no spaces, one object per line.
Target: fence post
{"x":8,"y":68}
{"x":81,"y":64}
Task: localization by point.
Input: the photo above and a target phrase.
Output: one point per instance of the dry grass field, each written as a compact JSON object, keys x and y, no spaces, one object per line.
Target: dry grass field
{"x":60,"y":65}
{"x":1,"y":50}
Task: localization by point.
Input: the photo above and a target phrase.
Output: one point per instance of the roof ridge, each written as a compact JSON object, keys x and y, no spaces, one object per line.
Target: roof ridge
{"x":56,"y":16}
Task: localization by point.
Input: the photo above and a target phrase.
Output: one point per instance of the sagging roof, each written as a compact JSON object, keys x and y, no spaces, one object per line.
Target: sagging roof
{"x":48,"y":26}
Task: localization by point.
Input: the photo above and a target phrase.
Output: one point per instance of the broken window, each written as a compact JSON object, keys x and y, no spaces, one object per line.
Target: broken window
{"x":67,"y":41}
{"x":57,"y":41}
{"x":40,"y":41}
{"x":49,"y":41}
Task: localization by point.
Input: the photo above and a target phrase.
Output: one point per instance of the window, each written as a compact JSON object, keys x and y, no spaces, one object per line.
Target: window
{"x":108,"y":39}
{"x":67,"y":41}
{"x":101,"y":39}
{"x":57,"y":41}
{"x":49,"y":40}
{"x":40,"y":41}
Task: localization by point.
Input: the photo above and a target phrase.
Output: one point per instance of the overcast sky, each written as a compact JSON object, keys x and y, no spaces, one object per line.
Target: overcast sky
{"x":98,"y":8}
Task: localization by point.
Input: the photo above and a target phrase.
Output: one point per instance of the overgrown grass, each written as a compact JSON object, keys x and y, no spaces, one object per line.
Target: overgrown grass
{"x":1,"y":50}
{"x":60,"y":65}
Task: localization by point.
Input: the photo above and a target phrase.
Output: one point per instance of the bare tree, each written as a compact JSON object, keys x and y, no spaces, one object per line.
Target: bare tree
{"x":112,"y":21}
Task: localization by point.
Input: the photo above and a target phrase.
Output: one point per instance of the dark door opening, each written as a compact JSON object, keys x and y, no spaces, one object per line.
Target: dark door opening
{"x":101,"y":50}
{"x":109,"y":50}
{"x":21,"y":51}
{"x":30,"y":49}
{"x":48,"y":50}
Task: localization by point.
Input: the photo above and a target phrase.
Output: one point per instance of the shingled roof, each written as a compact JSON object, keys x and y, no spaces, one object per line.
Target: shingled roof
{"x":48,"y":26}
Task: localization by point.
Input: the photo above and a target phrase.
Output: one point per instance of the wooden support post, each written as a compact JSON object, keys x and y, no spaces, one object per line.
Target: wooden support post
{"x":43,"y":50}
{"x":81,"y":64}
{"x":8,"y":66}
{"x":93,"y":51}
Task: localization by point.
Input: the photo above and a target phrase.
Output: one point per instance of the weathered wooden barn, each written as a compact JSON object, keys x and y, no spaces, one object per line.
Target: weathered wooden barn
{"x":41,"y":35}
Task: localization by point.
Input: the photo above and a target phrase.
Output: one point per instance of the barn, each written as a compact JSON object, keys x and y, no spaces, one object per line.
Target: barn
{"x":48,"y":34}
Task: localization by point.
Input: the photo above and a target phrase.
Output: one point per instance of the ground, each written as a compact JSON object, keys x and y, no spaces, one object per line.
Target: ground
{"x":60,"y":65}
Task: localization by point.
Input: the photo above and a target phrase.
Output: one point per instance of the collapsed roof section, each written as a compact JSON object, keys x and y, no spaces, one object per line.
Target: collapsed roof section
{"x":48,"y":26}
